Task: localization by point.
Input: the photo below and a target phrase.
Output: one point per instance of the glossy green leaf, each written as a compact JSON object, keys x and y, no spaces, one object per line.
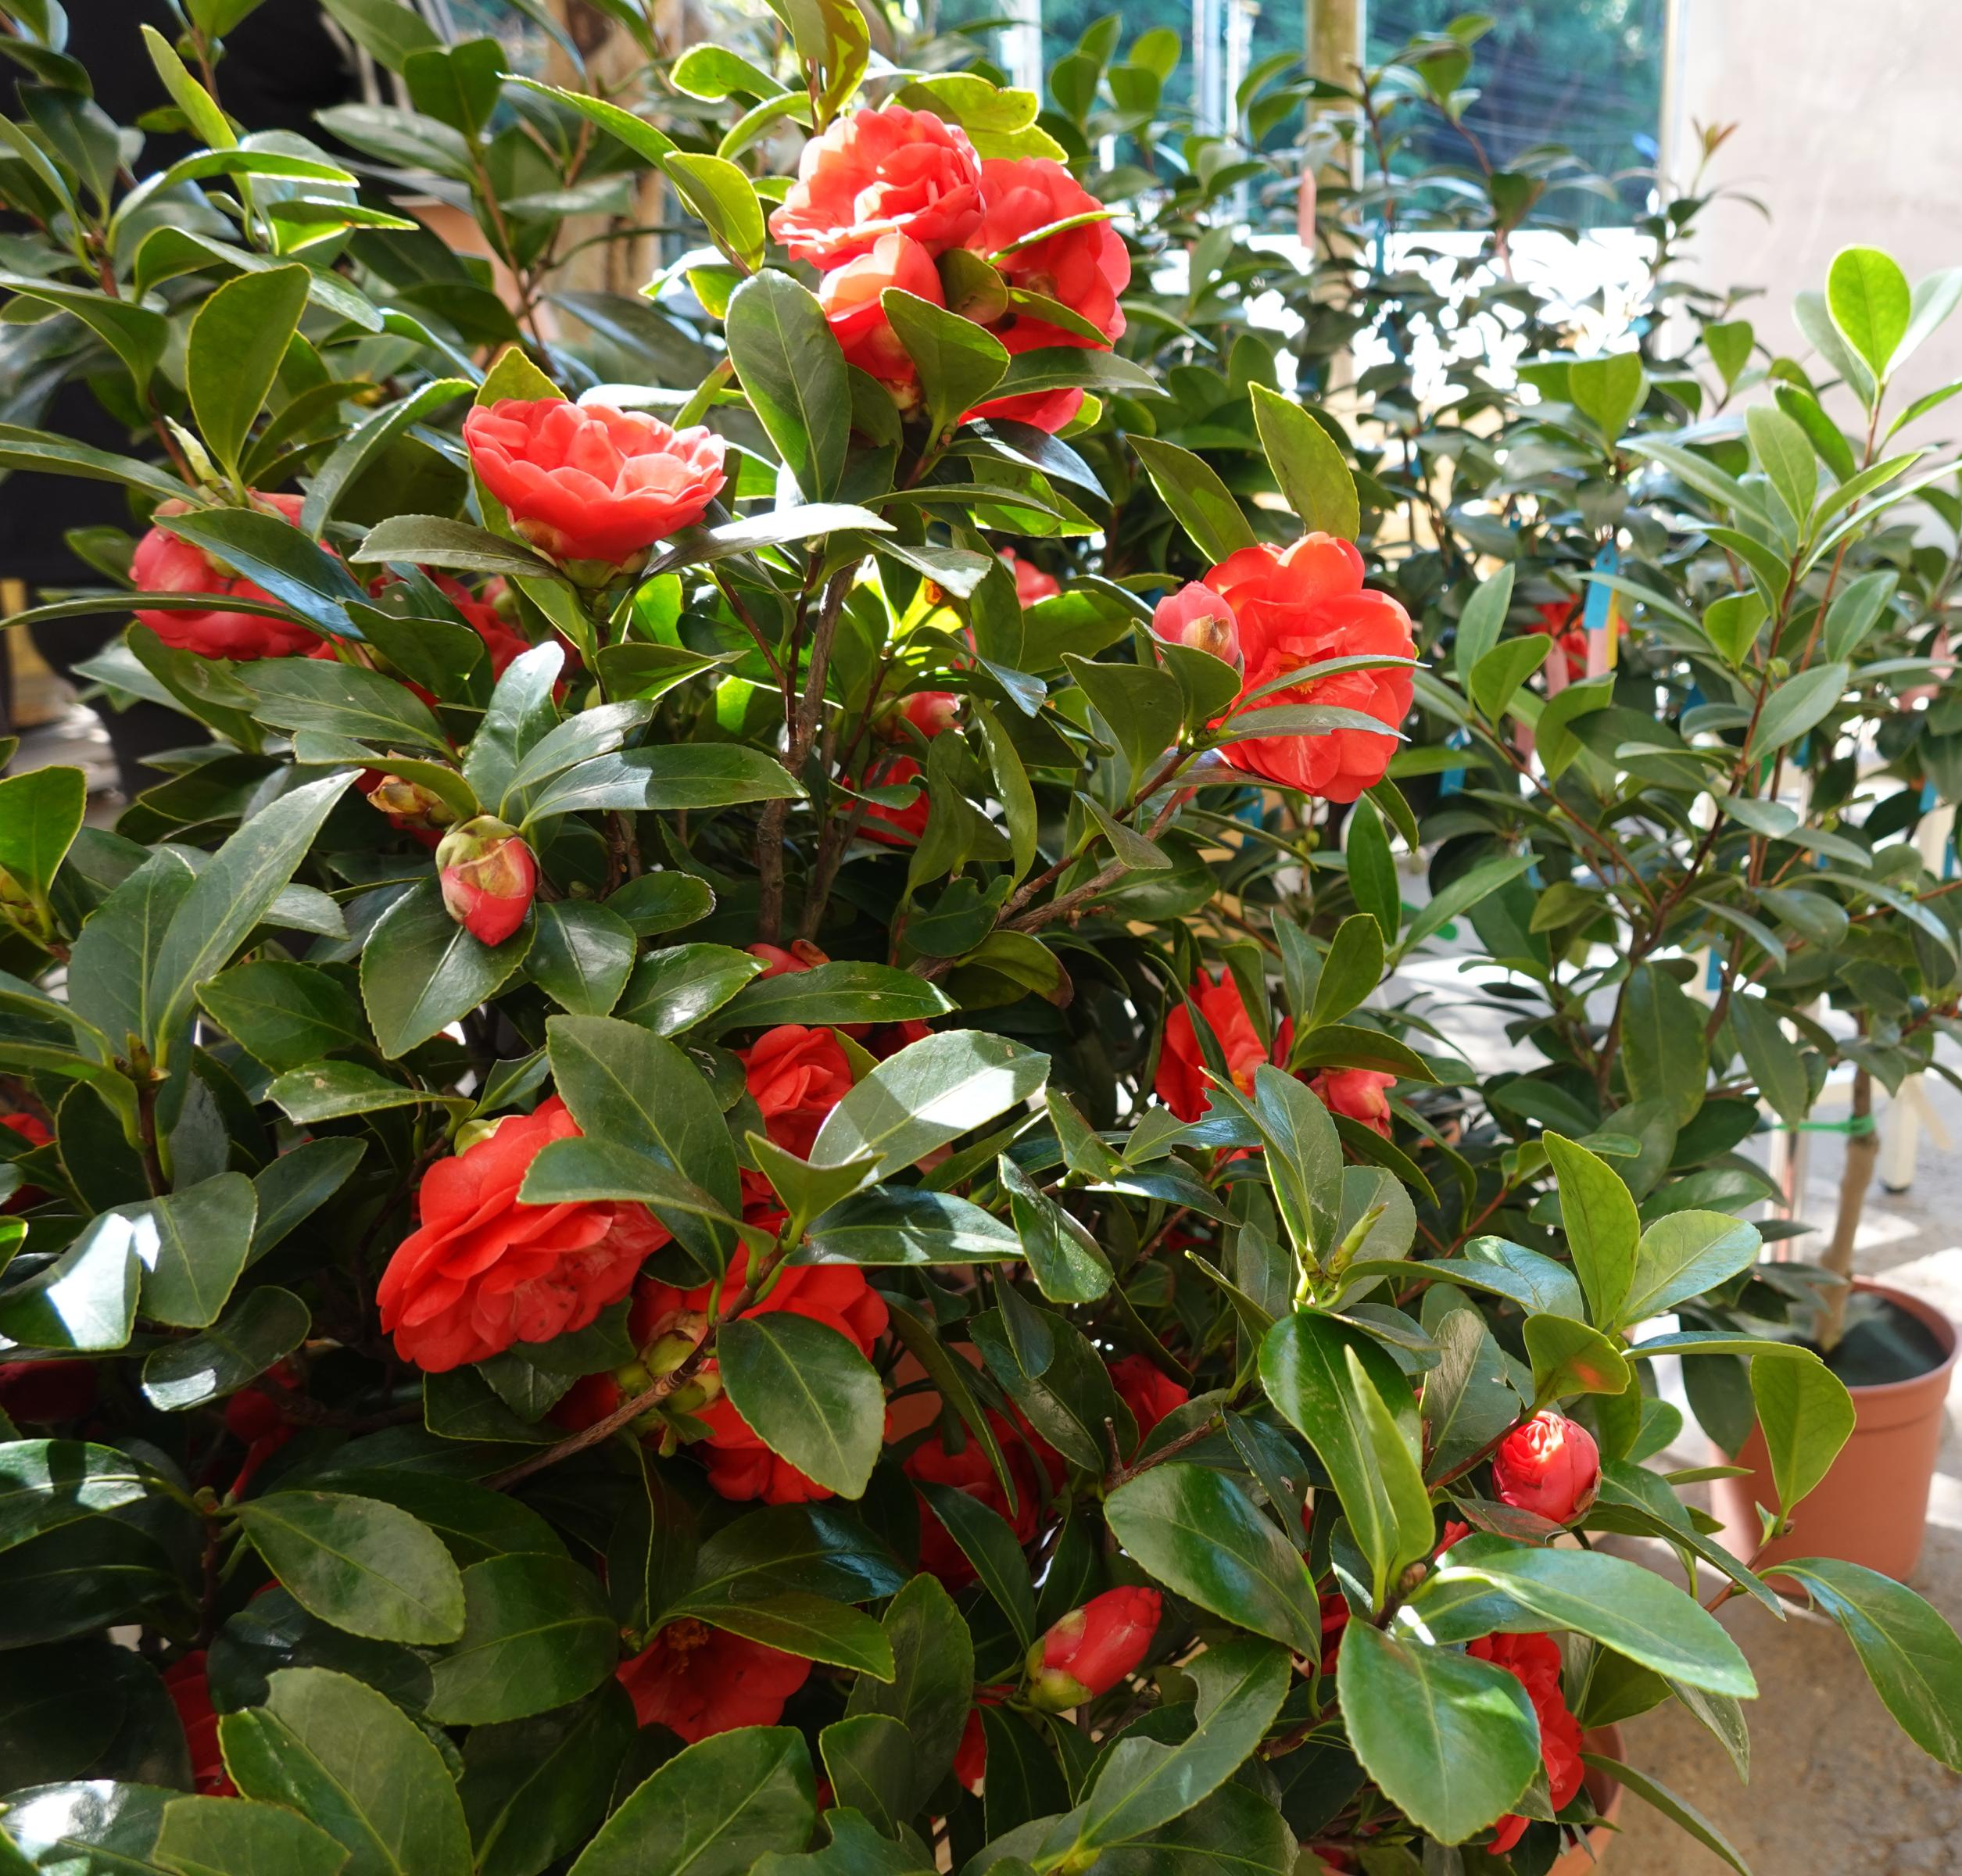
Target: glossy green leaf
{"x":420,"y":971}
{"x":537,"y":1634}
{"x":259,"y":1329}
{"x":1870,"y":303}
{"x":234,"y":1837}
{"x":1068,"y":1265}
{"x":1451,"y":1741}
{"x":1201,"y":503}
{"x":1198,"y":1533}
{"x":1807,"y":1417}
{"x":674,"y":989}
{"x":808,"y":1394}
{"x":1569,"y":1357}
{"x":1598,"y":1213}
{"x":533,"y":1789}
{"x":792,"y":373}
{"x":41,"y":812}
{"x":581,"y":956}
{"x":236,"y":340}
{"x":348,"y":1758}
{"x":1308,"y":464}
{"x":712,"y":1810}
{"x":360,"y":1564}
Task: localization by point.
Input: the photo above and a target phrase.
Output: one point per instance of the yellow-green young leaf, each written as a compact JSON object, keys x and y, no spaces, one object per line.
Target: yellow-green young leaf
{"x":203,"y":115}
{"x":1732,"y":624}
{"x":1482,"y":621}
{"x":1869,"y":298}
{"x":1785,"y":454}
{"x":723,"y":199}
{"x":1598,"y":1213}
{"x":1807,"y":1417}
{"x":1608,"y":391}
{"x":233,"y":1836}
{"x":1308,"y":464}
{"x":1201,"y":503}
{"x":41,"y":812}
{"x":1496,"y":678}
{"x":1569,"y":1357}
{"x":1729,"y":345}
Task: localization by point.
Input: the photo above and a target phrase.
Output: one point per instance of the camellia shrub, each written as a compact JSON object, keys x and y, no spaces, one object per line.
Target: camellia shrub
{"x":724,"y":1181}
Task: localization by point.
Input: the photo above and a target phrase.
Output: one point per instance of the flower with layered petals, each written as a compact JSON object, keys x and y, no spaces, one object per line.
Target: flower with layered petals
{"x":796,"y":1076}
{"x":696,"y":1680}
{"x":1551,"y":1466}
{"x":1534,"y":1662}
{"x":1181,"y":1083}
{"x":1084,"y":268}
{"x":971,"y":1471}
{"x":1092,"y":1648}
{"x":1303,"y":605}
{"x":586,"y":482}
{"x":850,"y":293}
{"x":876,"y":173}
{"x":503,"y":641}
{"x":482,"y":1271}
{"x":164,"y":562}
{"x":1362,"y":1094}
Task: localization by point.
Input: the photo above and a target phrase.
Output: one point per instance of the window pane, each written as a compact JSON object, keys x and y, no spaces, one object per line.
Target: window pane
{"x":1586,"y":75}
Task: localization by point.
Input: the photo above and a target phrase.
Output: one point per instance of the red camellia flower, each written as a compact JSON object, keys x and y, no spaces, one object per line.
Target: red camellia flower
{"x":696,"y":1681}
{"x":1084,"y":268}
{"x":1299,"y":606}
{"x":1550,"y":1466}
{"x":739,"y":1465}
{"x":1181,"y":1083}
{"x":501,"y":640}
{"x":1534,"y":1662}
{"x":877,"y":173}
{"x":1361,"y":1093}
{"x":932,"y":712}
{"x":797,"y":1076}
{"x":1556,"y":619}
{"x":1032,"y":583}
{"x":896,"y":826}
{"x":584,"y":482}
{"x":1196,"y":615}
{"x":1335,"y":1619}
{"x":189,"y":1687}
{"x":850,"y":297}
{"x":1149,"y":1392}
{"x":1092,"y":1648}
{"x":971,"y":1471}
{"x":488,"y":877}
{"x":482,"y":1271}
{"x":163,"y":563}
{"x":803,"y":955}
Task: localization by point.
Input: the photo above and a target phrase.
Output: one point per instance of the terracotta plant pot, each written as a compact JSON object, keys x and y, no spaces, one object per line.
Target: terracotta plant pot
{"x":1606,"y":1790}
{"x":1872,"y":1507}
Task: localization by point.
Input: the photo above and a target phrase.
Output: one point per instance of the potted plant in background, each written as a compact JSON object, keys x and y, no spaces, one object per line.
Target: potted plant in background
{"x":791,"y":965}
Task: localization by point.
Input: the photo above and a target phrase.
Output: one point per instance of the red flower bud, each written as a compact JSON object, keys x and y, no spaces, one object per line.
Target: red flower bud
{"x":488,"y":877}
{"x":1196,"y":615}
{"x":1092,"y":1648}
{"x":803,"y":955}
{"x":1550,"y":1466}
{"x":931,"y":712}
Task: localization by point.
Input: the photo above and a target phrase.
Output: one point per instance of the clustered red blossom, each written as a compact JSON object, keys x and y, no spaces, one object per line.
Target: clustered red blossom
{"x":1533,"y":1661}
{"x":883,"y":195}
{"x":585,"y":482}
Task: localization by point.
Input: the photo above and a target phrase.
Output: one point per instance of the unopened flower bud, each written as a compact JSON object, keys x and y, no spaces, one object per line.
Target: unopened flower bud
{"x":489,"y":876}
{"x":1092,"y":1648}
{"x":1550,"y":1466}
{"x":1197,"y":616}
{"x":409,"y":804}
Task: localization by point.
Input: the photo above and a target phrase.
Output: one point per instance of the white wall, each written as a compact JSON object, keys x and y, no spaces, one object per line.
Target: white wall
{"x":1849,"y":118}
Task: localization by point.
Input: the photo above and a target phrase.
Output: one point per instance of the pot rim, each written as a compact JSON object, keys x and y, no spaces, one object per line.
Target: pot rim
{"x":1925,"y":1313}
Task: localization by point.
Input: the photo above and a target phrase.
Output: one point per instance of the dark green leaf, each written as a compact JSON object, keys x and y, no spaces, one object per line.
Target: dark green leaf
{"x":807,"y":1393}
{"x":537,"y":1634}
